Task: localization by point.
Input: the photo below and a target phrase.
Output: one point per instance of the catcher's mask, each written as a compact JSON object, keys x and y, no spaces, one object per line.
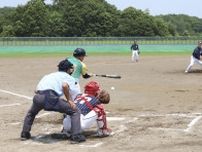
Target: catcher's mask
{"x":65,"y":65}
{"x":92,"y":88}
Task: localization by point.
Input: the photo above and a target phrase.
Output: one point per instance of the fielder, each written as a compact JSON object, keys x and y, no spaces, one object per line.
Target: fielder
{"x":135,"y":52}
{"x":92,"y":111}
{"x":195,"y":58}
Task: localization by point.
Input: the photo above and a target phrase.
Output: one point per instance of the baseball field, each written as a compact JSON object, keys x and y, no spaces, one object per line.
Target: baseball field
{"x":155,"y":106}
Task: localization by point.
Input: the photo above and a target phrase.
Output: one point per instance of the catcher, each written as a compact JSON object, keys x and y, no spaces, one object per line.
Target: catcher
{"x":90,"y":104}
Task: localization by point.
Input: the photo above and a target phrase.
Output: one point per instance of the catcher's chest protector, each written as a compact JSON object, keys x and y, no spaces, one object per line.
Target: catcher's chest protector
{"x":85,"y":103}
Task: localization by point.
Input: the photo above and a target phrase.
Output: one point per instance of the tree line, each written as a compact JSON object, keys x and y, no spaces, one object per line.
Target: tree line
{"x":91,"y":18}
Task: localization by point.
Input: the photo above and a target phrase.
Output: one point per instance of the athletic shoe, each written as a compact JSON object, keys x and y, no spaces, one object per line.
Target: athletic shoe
{"x":75,"y":139}
{"x":66,"y":133}
{"x":25,"y":135}
{"x":186,"y":71}
{"x":104,"y":132}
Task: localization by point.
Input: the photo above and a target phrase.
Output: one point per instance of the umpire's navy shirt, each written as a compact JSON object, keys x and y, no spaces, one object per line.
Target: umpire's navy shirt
{"x":197,"y":52}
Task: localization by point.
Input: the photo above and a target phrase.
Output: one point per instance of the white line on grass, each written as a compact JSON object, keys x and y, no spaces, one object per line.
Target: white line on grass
{"x":16,"y":94}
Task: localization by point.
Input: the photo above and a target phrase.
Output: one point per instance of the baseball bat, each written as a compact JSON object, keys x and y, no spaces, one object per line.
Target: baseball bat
{"x":108,"y":76}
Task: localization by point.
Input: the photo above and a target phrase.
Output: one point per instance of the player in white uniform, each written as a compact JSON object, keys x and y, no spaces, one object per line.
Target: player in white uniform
{"x":92,"y":110}
{"x":48,"y":97}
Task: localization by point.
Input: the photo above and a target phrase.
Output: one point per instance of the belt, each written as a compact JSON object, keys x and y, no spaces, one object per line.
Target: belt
{"x":46,"y":92}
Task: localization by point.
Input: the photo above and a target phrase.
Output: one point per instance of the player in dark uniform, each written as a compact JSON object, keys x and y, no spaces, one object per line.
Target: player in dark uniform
{"x":135,"y":52}
{"x":195,"y":58}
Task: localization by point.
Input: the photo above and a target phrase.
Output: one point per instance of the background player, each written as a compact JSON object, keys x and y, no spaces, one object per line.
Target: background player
{"x":195,"y":58}
{"x":135,"y":52}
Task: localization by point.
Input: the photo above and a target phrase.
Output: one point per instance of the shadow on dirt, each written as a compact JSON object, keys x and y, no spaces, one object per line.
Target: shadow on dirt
{"x":56,"y":137}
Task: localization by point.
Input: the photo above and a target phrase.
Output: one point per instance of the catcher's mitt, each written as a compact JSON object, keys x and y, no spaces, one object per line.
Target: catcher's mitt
{"x":104,"y":97}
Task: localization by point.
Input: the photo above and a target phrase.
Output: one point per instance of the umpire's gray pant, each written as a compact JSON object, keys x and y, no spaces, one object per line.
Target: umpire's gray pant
{"x":50,"y":101}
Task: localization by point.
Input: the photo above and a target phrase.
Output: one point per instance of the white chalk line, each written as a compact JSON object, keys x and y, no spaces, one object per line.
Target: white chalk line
{"x":166,"y":129}
{"x":196,"y":116}
{"x":10,"y":105}
{"x":121,"y":129}
{"x":192,"y":123}
{"x":115,"y":118}
{"x":43,"y":115}
{"x":92,"y":145}
{"x":171,"y":115}
{"x":15,"y":123}
{"x":16,"y":94}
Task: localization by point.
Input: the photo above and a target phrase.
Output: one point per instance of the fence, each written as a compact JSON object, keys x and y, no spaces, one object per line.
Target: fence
{"x":18,"y":45}
{"x":64,"y":41}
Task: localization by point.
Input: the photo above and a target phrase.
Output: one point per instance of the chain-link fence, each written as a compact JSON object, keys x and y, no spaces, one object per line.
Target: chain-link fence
{"x":64,"y":41}
{"x":96,"y":44}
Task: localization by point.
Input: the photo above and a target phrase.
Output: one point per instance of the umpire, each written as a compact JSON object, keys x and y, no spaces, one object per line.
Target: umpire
{"x":48,"y":92}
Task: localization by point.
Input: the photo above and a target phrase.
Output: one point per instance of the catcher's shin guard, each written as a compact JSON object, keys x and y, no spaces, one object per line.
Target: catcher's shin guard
{"x":103,"y":131}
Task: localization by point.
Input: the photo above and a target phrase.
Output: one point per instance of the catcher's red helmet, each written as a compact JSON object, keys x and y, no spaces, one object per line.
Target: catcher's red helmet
{"x":92,"y":88}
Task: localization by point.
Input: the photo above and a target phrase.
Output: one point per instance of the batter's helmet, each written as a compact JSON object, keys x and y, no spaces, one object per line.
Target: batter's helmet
{"x":92,"y":88}
{"x":79,"y":52}
{"x":64,"y":65}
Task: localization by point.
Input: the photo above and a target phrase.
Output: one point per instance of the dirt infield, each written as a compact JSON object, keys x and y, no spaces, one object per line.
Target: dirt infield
{"x":154,"y":107}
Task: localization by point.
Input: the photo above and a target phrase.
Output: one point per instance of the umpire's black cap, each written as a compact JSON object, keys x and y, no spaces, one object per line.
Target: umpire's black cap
{"x":79,"y":52}
{"x":64,"y":65}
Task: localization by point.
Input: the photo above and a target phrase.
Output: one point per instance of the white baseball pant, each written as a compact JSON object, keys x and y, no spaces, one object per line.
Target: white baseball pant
{"x":192,"y":62}
{"x":135,"y":55}
{"x":87,"y":121}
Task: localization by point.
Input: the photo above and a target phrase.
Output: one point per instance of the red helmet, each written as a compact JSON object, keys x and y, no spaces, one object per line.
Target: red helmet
{"x":92,"y":88}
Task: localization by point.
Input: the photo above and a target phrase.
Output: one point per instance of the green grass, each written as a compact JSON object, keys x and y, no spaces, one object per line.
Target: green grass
{"x":65,"y":54}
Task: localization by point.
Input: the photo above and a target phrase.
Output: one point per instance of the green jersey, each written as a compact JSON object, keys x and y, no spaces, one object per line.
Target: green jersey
{"x":79,"y":67}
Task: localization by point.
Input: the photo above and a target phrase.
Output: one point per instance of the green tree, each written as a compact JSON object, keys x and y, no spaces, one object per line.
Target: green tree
{"x":87,"y":17}
{"x":7,"y":31}
{"x":6,"y":14}
{"x":32,"y":19}
{"x":135,"y":22}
